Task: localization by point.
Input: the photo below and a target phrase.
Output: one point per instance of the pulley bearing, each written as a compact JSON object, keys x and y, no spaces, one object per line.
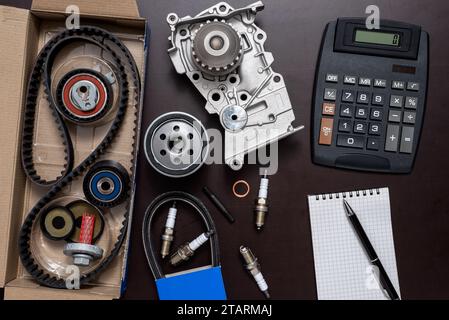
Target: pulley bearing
{"x":106,"y":184}
{"x":176,"y":144}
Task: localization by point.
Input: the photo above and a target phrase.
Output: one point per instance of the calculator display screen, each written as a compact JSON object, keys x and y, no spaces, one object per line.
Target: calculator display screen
{"x":376,"y":37}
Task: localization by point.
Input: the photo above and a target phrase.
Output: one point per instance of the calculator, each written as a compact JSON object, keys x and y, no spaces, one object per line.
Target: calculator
{"x":369,"y":96}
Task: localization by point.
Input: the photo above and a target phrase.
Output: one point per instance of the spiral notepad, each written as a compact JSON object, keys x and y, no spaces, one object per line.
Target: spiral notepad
{"x":342,"y":268}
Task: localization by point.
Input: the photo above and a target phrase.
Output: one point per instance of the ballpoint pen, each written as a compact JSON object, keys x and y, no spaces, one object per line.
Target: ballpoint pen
{"x":372,"y":255}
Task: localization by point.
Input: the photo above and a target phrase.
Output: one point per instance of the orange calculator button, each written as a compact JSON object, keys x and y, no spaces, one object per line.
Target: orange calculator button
{"x":327,"y":126}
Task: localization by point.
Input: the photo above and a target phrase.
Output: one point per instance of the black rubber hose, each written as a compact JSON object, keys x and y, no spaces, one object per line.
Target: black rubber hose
{"x":151,"y":211}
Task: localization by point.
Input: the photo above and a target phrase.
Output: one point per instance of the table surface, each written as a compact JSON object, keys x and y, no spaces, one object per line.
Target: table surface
{"x":419,"y":201}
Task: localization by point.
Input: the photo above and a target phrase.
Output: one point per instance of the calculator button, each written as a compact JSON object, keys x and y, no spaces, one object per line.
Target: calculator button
{"x":413,"y":86}
{"x":396,"y":101}
{"x":378,"y":99}
{"x":411,"y":102}
{"x":327,"y":126}
{"x":373,"y":144}
{"x":407,"y":140}
{"x":332,"y":78}
{"x":374,"y":129}
{"x":347,"y":96}
{"x":350,"y":80}
{"x":346,"y":111}
{"x":366,"y":82}
{"x":395,"y":116}
{"x":363,"y":97}
{"x":328,"y":109}
{"x":360,"y":127}
{"x":350,"y":141}
{"x":398,"y":85}
{"x":376,"y":114}
{"x":391,"y":142}
{"x":361,"y":113}
{"x":409,"y":117}
{"x":380,"y":83}
{"x":345,"y":126}
{"x":330,"y":94}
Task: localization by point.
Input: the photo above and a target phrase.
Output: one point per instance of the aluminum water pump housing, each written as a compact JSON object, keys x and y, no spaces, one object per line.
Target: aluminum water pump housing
{"x":221,"y":50}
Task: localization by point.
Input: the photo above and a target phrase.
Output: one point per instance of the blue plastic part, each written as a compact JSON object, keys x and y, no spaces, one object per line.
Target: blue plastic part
{"x":117,"y":186}
{"x":206,"y":284}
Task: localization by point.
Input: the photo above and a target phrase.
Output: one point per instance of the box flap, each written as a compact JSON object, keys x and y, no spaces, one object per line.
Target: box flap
{"x":113,"y":8}
{"x":13,"y":39}
{"x":27,"y":289}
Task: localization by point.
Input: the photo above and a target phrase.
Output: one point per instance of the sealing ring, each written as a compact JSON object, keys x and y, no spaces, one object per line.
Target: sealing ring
{"x":241,"y":195}
{"x":57,"y":223}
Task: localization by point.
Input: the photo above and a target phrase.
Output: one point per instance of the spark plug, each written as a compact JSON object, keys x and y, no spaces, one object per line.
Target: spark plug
{"x":253,"y":267}
{"x":187,"y":250}
{"x":261,"y":208}
{"x":168,"y":236}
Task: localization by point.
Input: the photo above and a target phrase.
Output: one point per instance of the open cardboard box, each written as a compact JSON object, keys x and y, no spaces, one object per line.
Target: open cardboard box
{"x":22,"y":34}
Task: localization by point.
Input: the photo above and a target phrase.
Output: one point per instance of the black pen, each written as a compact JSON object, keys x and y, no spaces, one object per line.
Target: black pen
{"x":372,"y":255}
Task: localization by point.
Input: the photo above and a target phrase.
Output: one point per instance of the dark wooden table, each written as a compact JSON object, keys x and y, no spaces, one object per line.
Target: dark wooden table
{"x":419,"y":201}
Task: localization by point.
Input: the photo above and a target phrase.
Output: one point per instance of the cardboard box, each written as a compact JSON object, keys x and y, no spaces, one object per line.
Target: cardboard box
{"x":22,"y":34}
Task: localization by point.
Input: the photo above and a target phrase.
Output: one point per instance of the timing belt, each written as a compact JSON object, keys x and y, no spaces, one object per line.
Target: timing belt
{"x":151,"y":211}
{"x":41,"y":72}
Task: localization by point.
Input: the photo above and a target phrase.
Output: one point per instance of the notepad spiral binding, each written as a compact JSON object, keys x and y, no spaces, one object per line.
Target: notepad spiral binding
{"x":348,"y":194}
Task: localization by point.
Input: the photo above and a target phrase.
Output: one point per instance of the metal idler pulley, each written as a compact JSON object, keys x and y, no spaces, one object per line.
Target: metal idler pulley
{"x":234,"y":118}
{"x":176,"y":144}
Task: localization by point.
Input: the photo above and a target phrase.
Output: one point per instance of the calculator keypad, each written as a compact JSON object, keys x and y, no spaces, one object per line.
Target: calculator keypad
{"x":367,"y":109}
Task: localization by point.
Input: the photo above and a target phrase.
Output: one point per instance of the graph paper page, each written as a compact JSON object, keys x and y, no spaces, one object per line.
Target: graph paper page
{"x":342,"y":268}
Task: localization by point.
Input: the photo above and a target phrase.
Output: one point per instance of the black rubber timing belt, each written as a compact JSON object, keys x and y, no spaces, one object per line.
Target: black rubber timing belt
{"x":151,"y":211}
{"x":127,"y":75}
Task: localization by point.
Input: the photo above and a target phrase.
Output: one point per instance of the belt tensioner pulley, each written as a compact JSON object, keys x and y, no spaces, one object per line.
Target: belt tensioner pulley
{"x":84,"y":96}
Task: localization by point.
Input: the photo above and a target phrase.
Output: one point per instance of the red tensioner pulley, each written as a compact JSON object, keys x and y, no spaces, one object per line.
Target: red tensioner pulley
{"x":84,"y":96}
